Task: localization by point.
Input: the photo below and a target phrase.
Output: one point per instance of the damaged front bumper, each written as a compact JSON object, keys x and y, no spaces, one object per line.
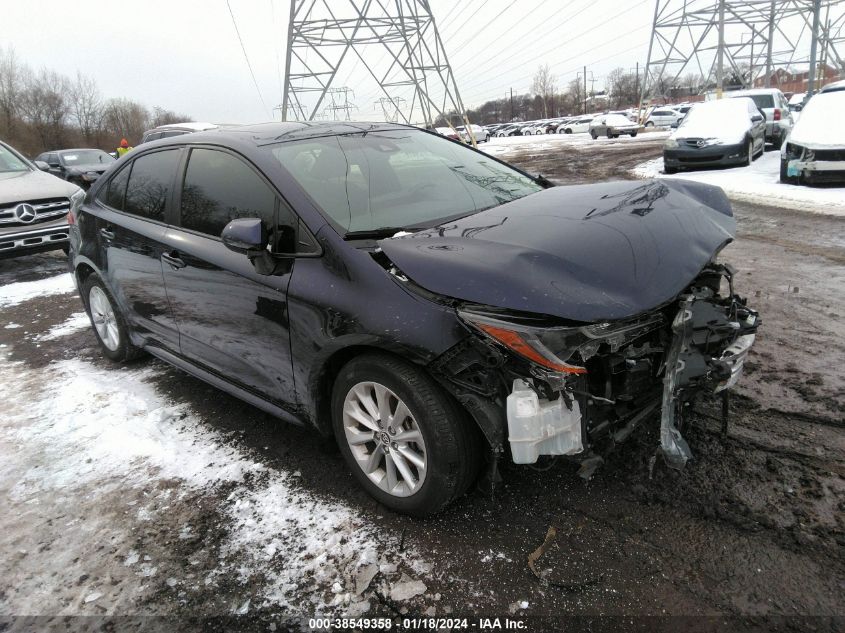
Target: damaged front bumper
{"x":572,"y":390}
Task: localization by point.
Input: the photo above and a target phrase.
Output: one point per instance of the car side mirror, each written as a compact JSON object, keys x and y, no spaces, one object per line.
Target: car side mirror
{"x":245,"y":235}
{"x":41,"y":165}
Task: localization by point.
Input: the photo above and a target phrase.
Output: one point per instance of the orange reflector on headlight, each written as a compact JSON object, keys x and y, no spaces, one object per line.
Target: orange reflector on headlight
{"x":514,"y":341}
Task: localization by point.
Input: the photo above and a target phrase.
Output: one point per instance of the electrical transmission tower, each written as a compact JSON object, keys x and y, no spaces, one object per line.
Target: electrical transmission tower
{"x":395,"y":41}
{"x":702,"y":45}
{"x":339,"y":98}
{"x":390,"y":108}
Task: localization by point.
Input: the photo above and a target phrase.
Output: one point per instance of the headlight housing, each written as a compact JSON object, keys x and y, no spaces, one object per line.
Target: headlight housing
{"x":76,"y":200}
{"x":554,"y":347}
{"x":670,"y":143}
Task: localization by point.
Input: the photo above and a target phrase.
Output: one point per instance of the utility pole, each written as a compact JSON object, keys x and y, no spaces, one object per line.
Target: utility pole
{"x":585,"y":90}
{"x":720,"y":53}
{"x":512,"y":104}
{"x":817,"y":7}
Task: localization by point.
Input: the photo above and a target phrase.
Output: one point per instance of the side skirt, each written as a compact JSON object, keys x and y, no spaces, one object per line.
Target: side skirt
{"x":224,"y":385}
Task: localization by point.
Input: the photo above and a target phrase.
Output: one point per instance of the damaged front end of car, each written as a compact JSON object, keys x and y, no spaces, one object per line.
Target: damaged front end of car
{"x":579,"y":389}
{"x":590,"y":309}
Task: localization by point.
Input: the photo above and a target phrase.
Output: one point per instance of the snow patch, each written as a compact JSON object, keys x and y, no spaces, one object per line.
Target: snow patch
{"x":99,"y":428}
{"x":77,"y":321}
{"x":18,"y":292}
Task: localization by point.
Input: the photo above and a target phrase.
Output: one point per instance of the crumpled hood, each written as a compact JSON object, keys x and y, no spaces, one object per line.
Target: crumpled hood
{"x":32,"y":185}
{"x":584,"y":252}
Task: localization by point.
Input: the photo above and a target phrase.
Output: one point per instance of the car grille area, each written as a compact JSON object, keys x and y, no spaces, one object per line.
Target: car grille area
{"x":33,"y":212}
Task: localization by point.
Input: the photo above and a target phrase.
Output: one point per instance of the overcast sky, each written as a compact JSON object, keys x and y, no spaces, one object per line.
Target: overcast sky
{"x":184,"y":54}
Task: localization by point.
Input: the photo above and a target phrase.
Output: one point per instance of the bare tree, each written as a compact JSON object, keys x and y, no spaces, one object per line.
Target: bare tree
{"x":575,"y":95}
{"x":12,"y":79}
{"x":162,"y":116}
{"x":622,"y":87}
{"x":44,"y":106}
{"x":86,"y":106}
{"x":544,"y":86}
{"x":123,"y":118}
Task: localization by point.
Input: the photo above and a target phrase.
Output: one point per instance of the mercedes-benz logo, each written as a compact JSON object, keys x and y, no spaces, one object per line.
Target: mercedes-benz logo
{"x":25,"y":213}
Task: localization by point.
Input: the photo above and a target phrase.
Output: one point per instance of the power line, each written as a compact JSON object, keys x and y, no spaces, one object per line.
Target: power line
{"x":545,"y":53}
{"x":246,"y":57}
{"x":498,"y":15}
{"x":458,"y":30}
{"x":518,"y":40}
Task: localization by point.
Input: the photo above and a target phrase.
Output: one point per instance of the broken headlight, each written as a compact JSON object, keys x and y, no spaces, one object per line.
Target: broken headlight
{"x":560,"y":349}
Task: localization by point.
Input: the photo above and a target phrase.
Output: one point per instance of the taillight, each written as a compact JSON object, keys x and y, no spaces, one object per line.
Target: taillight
{"x":777,"y":114}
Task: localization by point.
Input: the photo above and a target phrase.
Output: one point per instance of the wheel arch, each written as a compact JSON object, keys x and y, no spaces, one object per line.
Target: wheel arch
{"x":482,"y":414}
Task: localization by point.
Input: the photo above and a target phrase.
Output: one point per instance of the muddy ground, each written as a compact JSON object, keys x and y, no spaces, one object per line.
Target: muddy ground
{"x":750,"y":536}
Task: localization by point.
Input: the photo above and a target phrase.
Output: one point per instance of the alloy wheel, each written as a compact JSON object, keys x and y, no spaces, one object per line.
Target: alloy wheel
{"x":103,"y":317}
{"x":384,"y":439}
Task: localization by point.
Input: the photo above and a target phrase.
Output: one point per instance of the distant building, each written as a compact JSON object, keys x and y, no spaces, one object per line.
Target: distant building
{"x":793,"y":80}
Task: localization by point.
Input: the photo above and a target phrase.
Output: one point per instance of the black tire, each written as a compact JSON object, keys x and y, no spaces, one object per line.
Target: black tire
{"x":567,"y":131}
{"x":777,"y":142}
{"x":594,"y":135}
{"x":749,"y":153}
{"x":649,"y":124}
{"x":453,"y":443}
{"x":610,"y":135}
{"x":124,"y":351}
{"x":669,"y":170}
{"x":784,"y":173}
{"x":633,"y":134}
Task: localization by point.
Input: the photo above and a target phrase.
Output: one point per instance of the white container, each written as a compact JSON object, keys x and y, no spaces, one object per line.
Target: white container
{"x":539,"y":427}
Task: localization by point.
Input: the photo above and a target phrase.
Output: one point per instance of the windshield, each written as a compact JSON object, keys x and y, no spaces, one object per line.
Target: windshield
{"x":763,"y":101}
{"x":85,"y":157}
{"x":399,"y":178}
{"x":9,"y":161}
{"x":721,"y":118}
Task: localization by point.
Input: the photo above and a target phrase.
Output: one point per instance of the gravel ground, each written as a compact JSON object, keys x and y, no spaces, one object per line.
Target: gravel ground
{"x":749,"y":536}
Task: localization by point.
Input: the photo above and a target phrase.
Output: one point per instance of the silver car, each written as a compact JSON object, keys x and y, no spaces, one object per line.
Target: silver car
{"x":34,"y":206}
{"x":774,"y":105}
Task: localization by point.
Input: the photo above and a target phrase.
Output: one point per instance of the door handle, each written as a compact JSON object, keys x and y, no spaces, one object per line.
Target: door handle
{"x":107,"y":233}
{"x":174,"y":260}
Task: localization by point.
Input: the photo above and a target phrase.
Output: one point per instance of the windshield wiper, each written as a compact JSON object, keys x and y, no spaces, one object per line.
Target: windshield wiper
{"x":374,"y":234}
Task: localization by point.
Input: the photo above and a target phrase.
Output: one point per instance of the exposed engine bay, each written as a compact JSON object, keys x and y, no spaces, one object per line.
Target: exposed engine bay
{"x":577,"y":390}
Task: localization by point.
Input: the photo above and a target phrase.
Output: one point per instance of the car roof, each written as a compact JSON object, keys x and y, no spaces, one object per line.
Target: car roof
{"x":753,"y":91}
{"x":833,"y":87}
{"x":260,"y":134}
{"x":187,"y":125}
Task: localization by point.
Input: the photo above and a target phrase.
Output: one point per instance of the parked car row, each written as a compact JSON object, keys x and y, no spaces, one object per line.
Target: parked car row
{"x":734,"y":131}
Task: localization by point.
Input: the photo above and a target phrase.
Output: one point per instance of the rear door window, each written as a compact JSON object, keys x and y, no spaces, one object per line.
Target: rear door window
{"x":150,"y":183}
{"x":763,"y":101}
